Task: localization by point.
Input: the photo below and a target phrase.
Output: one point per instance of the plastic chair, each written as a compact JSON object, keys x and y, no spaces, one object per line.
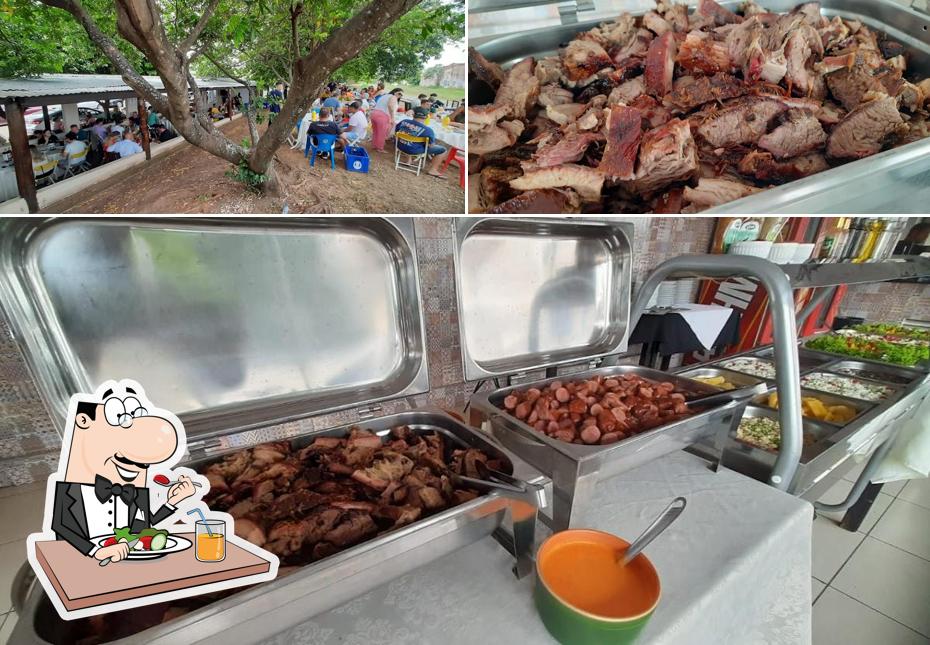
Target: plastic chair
{"x":322,"y":143}
{"x":458,"y":156}
{"x":75,"y":163}
{"x":45,"y":172}
{"x":414,"y":162}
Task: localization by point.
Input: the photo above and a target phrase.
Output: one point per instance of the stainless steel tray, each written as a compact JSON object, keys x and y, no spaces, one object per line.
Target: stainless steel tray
{"x":861,"y":407}
{"x":739,"y":379}
{"x":807,"y":359}
{"x":894,"y":181}
{"x":907,"y":375}
{"x":230,"y":323}
{"x":922,"y":367}
{"x":263,"y":610}
{"x":534,"y":293}
{"x":575,"y":469}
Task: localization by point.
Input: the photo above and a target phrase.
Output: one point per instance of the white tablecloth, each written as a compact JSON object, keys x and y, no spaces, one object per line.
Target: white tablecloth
{"x":302,"y":132}
{"x":735,"y":569}
{"x":454,"y":138}
{"x":8,"y":188}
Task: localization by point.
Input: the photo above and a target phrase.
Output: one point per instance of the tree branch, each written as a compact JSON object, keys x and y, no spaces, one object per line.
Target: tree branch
{"x":192,"y":37}
{"x":295,"y":12}
{"x":109,"y":48}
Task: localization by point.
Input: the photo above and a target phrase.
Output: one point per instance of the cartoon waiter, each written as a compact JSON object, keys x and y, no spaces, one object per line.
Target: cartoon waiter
{"x":114,"y":440}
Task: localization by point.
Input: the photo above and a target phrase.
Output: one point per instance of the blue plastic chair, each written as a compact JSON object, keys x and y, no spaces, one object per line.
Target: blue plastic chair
{"x":322,"y":143}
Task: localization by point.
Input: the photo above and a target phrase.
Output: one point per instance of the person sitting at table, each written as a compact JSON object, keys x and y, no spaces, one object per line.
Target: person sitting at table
{"x":331,"y":102}
{"x":99,"y":128}
{"x":72,"y":146}
{"x":426,"y":104}
{"x":108,"y":154}
{"x":358,"y":124}
{"x":119,"y":128}
{"x":435,"y":99}
{"x":416,"y":128}
{"x":134,"y":118}
{"x":45,"y":137}
{"x":153,"y":119}
{"x":163,"y":134}
{"x":127,"y":147}
{"x":58,"y":126}
{"x":458,"y":116}
{"x":325,"y":125}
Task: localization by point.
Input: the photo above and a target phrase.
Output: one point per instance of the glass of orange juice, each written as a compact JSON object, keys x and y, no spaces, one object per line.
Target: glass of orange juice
{"x":211,"y":540}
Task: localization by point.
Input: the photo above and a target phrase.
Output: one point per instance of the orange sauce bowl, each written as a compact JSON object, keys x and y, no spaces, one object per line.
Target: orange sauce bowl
{"x":585,"y":597}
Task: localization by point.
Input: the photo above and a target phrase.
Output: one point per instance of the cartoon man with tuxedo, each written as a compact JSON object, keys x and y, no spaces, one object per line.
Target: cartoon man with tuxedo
{"x":114,"y":440}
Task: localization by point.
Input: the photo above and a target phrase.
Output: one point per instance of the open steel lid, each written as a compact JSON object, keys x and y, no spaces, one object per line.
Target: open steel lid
{"x":230,"y":323}
{"x":534,"y":293}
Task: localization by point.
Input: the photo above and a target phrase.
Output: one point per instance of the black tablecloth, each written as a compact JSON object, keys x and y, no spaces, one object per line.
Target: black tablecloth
{"x":669,"y":333}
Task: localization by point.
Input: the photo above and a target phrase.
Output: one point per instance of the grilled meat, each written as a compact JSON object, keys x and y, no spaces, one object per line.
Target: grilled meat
{"x":760,"y":98}
{"x":545,"y":200}
{"x":310,"y":503}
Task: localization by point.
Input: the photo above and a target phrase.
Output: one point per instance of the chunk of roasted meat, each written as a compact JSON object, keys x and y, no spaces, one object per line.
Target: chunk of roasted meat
{"x":600,"y":410}
{"x":674,"y":111}
{"x":306,"y":503}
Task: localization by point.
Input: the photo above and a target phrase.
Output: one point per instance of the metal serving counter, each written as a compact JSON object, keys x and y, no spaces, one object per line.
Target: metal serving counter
{"x":895,"y":181}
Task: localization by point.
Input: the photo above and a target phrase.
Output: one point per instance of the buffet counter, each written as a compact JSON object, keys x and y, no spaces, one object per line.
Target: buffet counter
{"x":735,"y":534}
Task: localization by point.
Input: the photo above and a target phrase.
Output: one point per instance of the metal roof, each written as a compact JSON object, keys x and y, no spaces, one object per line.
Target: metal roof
{"x":57,"y":86}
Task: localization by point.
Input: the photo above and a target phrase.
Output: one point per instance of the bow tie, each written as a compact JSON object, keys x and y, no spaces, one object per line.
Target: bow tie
{"x":104,"y":489}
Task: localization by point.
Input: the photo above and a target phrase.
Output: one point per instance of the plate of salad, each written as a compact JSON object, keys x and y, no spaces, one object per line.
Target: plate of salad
{"x":153,"y":543}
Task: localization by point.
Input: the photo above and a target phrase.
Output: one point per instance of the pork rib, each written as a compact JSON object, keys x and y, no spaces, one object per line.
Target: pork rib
{"x":587,"y":182}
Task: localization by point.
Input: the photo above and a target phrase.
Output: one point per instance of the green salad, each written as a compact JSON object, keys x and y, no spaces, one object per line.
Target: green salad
{"x":899,"y":351}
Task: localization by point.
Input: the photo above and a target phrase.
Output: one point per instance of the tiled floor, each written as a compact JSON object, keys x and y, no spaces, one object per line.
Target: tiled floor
{"x":869,"y":588}
{"x":873,"y":587}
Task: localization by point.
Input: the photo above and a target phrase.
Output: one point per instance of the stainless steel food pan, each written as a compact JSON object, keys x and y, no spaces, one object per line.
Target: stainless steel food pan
{"x":575,"y":469}
{"x":807,"y":359}
{"x":923,"y":368}
{"x":739,"y":379}
{"x":861,"y":407}
{"x":263,"y":610}
{"x":893,"y":375}
{"x":757,"y":462}
{"x":894,"y":181}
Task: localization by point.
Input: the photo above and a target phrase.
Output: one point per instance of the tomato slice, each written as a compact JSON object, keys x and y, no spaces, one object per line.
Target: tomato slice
{"x":110,"y":541}
{"x":146,"y":542}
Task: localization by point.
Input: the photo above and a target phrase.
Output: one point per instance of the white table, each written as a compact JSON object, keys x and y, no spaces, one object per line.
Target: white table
{"x":454,"y":138}
{"x":735,"y":569}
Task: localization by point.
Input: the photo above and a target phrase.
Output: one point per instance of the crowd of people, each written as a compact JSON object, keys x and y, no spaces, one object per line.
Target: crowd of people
{"x":94,"y":141}
{"x":352,"y":114}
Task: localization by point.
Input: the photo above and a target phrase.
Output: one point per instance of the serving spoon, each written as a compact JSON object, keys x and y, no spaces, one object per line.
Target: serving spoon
{"x":662,"y":522}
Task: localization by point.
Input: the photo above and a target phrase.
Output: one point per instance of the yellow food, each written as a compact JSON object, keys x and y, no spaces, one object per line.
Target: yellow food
{"x":815,"y":408}
{"x":717,"y":381}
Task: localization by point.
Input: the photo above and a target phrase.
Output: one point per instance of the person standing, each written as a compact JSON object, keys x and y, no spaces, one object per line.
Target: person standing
{"x":382,"y":117}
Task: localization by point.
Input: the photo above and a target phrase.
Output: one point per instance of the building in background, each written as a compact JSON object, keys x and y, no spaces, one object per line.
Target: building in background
{"x":452,"y":75}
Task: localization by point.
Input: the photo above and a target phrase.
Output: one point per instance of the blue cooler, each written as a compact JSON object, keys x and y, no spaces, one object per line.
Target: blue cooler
{"x":356,"y":159}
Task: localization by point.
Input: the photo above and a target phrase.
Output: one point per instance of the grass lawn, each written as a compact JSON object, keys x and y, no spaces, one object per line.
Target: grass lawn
{"x":411,"y":91}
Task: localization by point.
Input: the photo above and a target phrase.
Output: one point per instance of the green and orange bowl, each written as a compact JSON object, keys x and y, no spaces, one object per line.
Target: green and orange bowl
{"x":572,"y":625}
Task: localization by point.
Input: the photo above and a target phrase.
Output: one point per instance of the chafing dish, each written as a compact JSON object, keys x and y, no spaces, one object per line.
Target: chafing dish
{"x":738,"y":379}
{"x":263,"y":610}
{"x":890,"y":182}
{"x":860,"y":407}
{"x":221,"y":321}
{"x":575,"y":469}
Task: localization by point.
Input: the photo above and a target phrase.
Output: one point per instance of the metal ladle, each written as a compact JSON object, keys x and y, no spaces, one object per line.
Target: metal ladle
{"x":666,"y":517}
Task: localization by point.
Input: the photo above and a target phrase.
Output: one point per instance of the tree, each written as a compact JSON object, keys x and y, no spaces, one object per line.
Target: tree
{"x":320,"y":37}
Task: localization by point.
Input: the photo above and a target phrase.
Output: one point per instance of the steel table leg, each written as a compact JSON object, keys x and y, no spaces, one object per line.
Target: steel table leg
{"x":853,"y":518}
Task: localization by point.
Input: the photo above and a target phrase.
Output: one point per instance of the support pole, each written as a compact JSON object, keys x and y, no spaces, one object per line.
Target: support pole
{"x":228,"y":104}
{"x":144,"y":127}
{"x":106,"y":108}
{"x":46,"y":118}
{"x":22,"y":160}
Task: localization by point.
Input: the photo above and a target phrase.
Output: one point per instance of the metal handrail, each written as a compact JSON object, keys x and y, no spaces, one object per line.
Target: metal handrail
{"x":781,"y":302}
